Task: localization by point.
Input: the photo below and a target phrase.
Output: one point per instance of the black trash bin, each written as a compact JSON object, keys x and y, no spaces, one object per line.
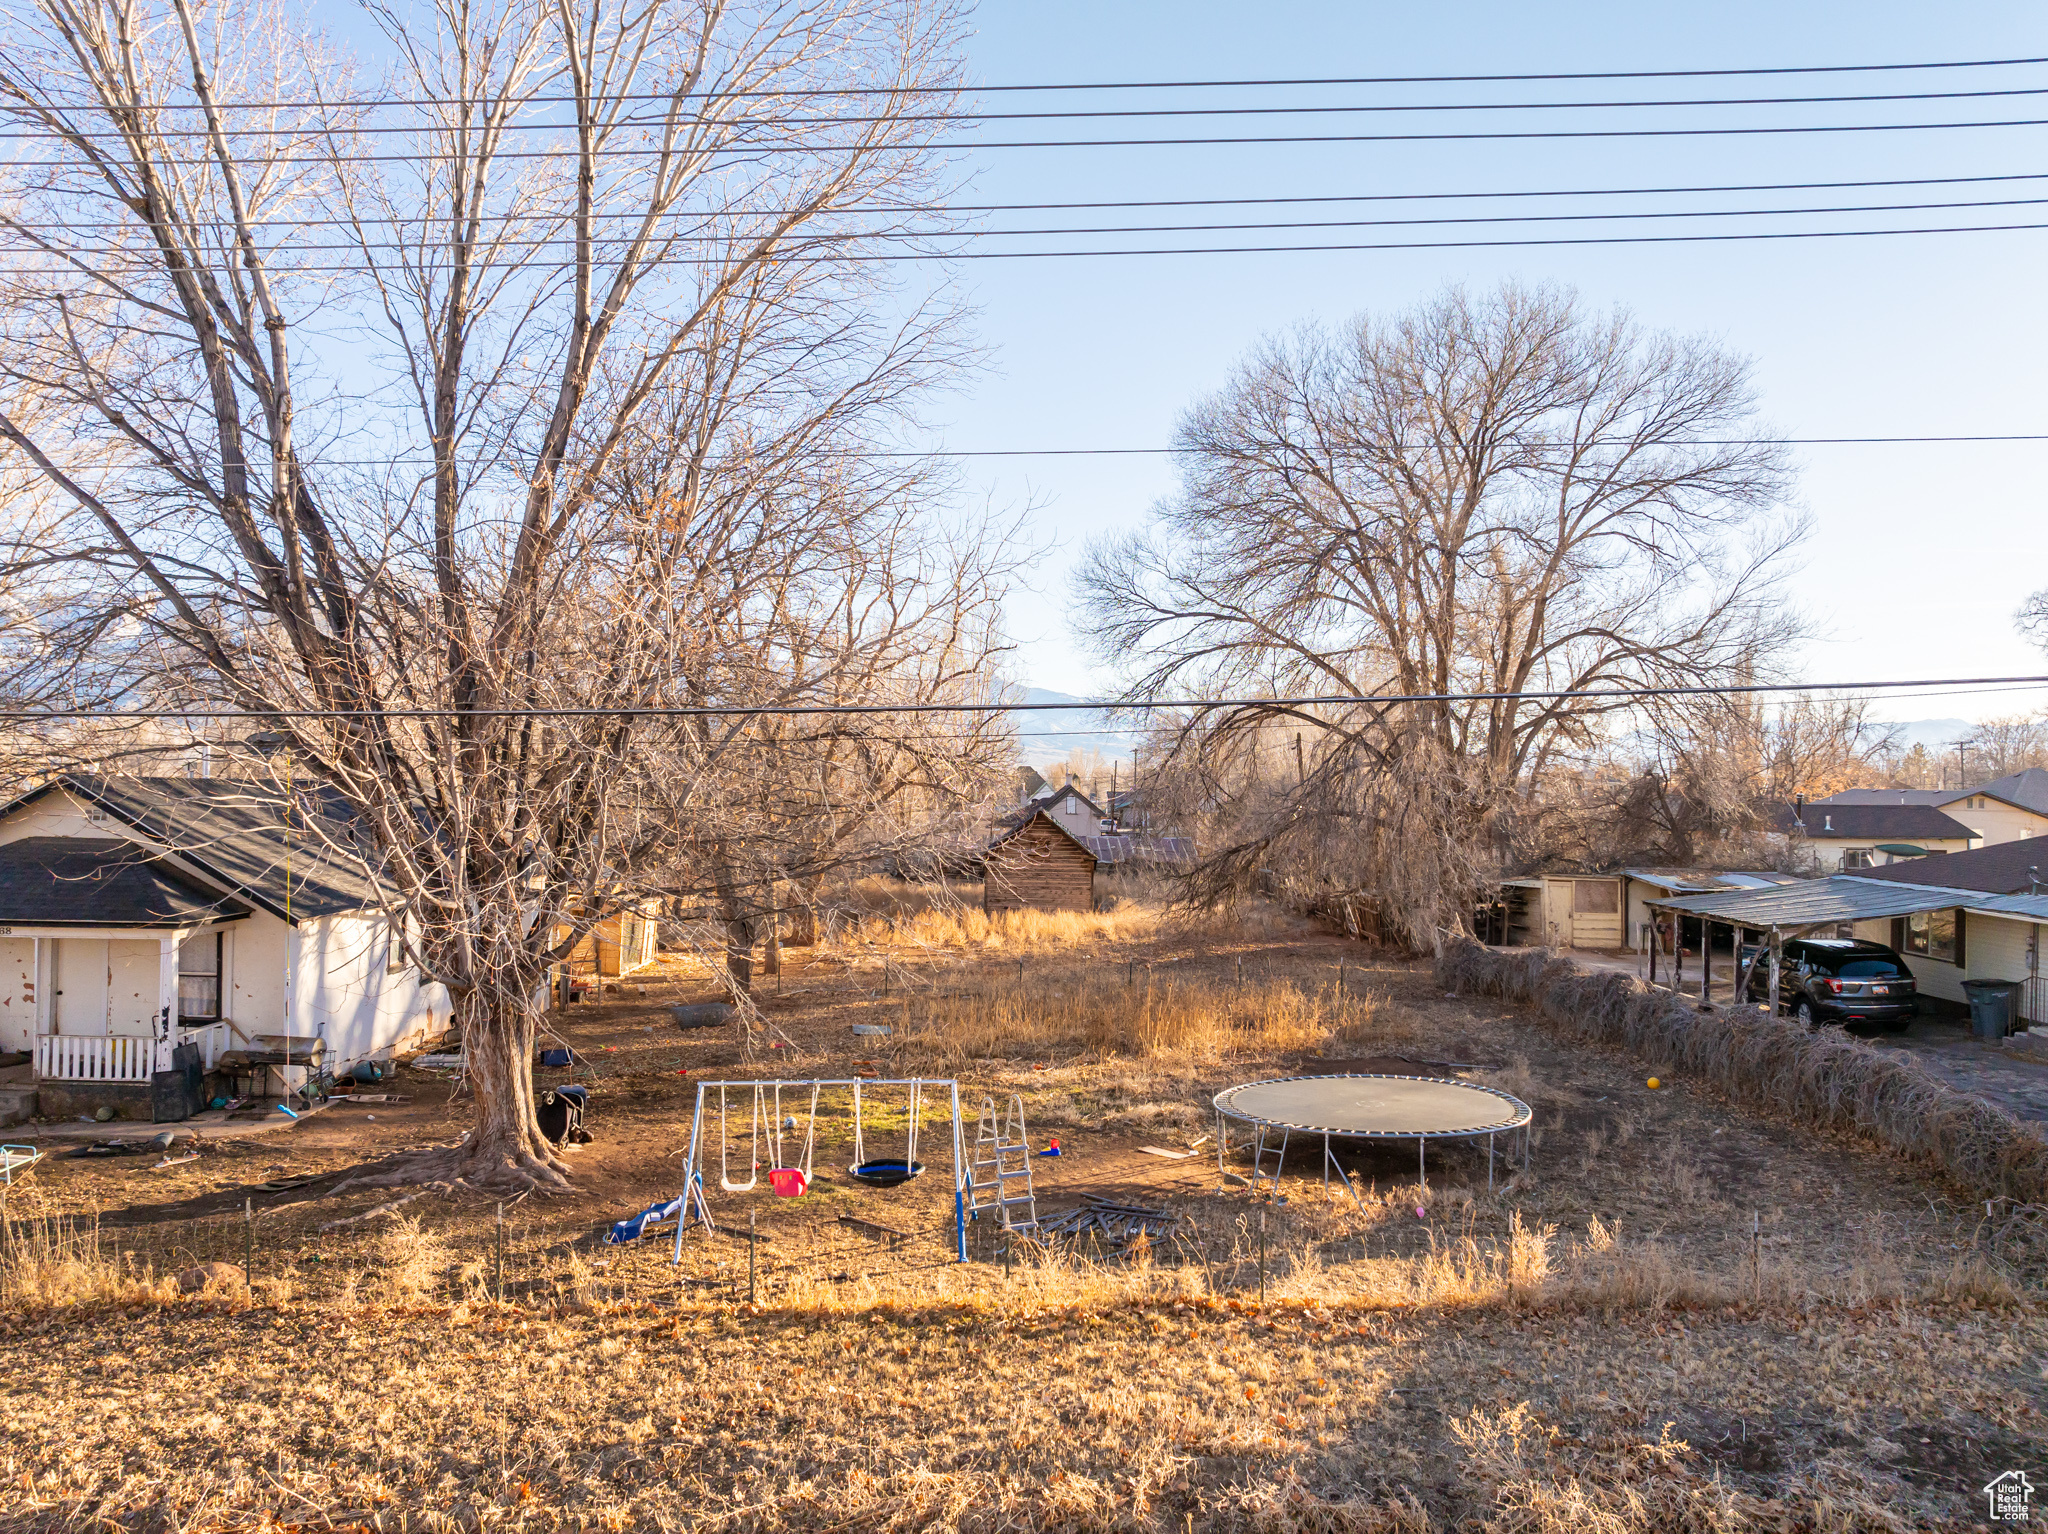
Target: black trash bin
{"x":1992,"y":1003}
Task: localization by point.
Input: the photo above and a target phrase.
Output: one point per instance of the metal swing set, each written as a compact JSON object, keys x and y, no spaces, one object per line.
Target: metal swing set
{"x":790,"y":1160}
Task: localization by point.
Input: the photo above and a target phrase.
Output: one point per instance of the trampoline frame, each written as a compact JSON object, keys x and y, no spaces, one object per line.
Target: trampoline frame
{"x":1519,"y":1119}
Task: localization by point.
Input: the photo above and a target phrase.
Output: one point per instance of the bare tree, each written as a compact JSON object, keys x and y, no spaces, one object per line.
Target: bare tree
{"x":1706,"y":778}
{"x":1998,"y":747}
{"x":341,"y":382}
{"x":1501,"y":495}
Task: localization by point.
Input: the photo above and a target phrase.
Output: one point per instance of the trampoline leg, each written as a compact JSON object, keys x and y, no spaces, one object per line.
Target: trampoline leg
{"x":1489,"y":1163}
{"x":1329,"y":1161}
{"x":1422,"y":1162}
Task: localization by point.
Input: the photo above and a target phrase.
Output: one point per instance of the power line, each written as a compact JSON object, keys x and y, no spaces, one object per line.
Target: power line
{"x":1076,"y":114}
{"x":895,"y":89}
{"x":1212,"y":141}
{"x":1106,"y":705}
{"x":913,"y":454}
{"x":1223,"y":250}
{"x":837,"y":236}
{"x":1167,"y":202}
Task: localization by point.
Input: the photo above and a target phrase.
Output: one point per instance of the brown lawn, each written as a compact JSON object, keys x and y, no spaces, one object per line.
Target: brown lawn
{"x":1681,"y":1316}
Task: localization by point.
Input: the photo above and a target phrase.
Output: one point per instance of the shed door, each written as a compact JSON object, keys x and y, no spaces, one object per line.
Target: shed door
{"x":1596,"y":913}
{"x":17,"y":993}
{"x":134,"y":975}
{"x":81,"y":999}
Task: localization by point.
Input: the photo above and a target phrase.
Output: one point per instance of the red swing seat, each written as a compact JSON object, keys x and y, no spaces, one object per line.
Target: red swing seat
{"x":788,"y":1181}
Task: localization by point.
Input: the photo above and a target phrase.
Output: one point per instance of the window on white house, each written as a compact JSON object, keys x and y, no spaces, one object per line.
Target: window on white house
{"x":1856,"y":857}
{"x":199,"y":977}
{"x":394,"y":948}
{"x":1932,"y":933}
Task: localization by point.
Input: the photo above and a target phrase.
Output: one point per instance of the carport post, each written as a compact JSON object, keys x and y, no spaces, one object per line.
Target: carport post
{"x":1777,"y":941}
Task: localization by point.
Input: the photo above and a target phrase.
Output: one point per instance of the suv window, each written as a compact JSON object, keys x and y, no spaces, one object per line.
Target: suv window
{"x":1869,"y":969}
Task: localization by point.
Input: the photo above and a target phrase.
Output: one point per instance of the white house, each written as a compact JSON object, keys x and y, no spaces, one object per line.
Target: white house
{"x":153,"y":925}
{"x":1843,"y":837}
{"x":2007,"y":809}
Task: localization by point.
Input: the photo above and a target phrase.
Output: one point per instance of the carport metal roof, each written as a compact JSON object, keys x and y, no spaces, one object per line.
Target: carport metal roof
{"x":1845,"y":898}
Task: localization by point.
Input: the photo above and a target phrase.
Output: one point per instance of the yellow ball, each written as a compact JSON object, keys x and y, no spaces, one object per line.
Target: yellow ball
{"x":1655,"y":1083}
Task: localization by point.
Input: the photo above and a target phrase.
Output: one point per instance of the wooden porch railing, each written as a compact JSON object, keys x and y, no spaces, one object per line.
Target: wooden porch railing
{"x":81,"y":1057}
{"x":120,"y":1057}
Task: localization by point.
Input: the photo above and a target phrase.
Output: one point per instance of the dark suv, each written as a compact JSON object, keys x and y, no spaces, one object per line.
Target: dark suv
{"x":1839,"y":980}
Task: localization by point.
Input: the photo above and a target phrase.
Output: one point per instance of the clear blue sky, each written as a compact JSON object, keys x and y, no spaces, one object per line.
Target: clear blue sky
{"x":1920,"y":554}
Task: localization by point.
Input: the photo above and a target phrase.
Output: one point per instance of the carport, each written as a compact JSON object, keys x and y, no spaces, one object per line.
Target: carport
{"x":1823,"y":905}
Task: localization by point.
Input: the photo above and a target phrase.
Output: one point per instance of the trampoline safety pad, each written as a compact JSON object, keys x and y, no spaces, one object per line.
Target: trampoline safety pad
{"x":1374,"y":1107}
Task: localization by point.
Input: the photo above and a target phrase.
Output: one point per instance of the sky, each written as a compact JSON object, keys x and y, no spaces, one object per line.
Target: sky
{"x":1920,"y":554}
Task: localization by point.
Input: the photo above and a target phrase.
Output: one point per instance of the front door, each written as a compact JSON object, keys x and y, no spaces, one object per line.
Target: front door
{"x":17,"y":993}
{"x":81,"y":998}
{"x":134,"y":976}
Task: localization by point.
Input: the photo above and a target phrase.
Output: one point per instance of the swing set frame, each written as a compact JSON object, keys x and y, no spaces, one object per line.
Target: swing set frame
{"x":763,"y":1100}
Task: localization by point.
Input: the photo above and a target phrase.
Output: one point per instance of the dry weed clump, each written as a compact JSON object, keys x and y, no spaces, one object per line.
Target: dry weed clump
{"x":1135,"y":1014}
{"x":1824,"y":1077}
{"x":48,"y":1262}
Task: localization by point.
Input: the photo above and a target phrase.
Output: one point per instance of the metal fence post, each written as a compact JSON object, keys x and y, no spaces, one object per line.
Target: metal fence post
{"x":501,"y":1252}
{"x":753,"y":1244}
{"x":249,"y":1243}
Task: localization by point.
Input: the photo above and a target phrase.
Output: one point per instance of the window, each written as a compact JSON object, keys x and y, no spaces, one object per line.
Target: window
{"x":394,"y":947}
{"x":199,"y":977}
{"x":1856,"y":857}
{"x":1595,"y":897}
{"x":1932,"y":933}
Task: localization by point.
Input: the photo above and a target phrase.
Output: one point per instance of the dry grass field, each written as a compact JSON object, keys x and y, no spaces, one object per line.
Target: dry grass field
{"x":1685,"y":1314}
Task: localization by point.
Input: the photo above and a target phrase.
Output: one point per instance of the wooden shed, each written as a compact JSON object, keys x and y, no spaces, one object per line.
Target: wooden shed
{"x":1039,"y":866}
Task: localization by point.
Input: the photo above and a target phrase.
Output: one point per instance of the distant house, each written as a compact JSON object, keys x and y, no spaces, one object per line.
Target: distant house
{"x":2006,"y":809}
{"x":151,"y":926}
{"x":1041,"y":866}
{"x":1975,"y":915}
{"x":1603,"y":910}
{"x":1846,"y":837}
{"x":1070,"y":809}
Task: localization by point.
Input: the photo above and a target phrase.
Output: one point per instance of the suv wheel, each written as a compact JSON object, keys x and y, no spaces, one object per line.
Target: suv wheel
{"x":1804,"y":1013}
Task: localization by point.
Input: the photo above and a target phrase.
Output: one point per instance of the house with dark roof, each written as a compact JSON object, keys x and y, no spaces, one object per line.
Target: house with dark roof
{"x":2007,"y":809}
{"x":1067,"y":807}
{"x":155,"y":928}
{"x":1847,"y":837}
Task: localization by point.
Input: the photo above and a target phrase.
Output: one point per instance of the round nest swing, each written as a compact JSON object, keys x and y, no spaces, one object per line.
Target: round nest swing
{"x":889,"y":1172}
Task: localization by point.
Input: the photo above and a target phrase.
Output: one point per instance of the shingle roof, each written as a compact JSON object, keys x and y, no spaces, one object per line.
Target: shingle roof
{"x":1934,"y":796}
{"x":78,"y":881}
{"x":1868,"y":822}
{"x":2027,"y":788}
{"x":1045,"y":802}
{"x":235,"y":832}
{"x":2005,"y":868}
{"x":1037,"y":815}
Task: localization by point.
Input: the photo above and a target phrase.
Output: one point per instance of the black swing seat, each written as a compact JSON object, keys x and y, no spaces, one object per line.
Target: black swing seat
{"x":891,"y":1172}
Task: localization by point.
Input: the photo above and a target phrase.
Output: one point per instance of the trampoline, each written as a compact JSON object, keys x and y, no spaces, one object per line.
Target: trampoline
{"x":1418,"y":1108}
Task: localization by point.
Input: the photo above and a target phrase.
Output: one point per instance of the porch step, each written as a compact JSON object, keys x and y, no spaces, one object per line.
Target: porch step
{"x":17,"y":1105}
